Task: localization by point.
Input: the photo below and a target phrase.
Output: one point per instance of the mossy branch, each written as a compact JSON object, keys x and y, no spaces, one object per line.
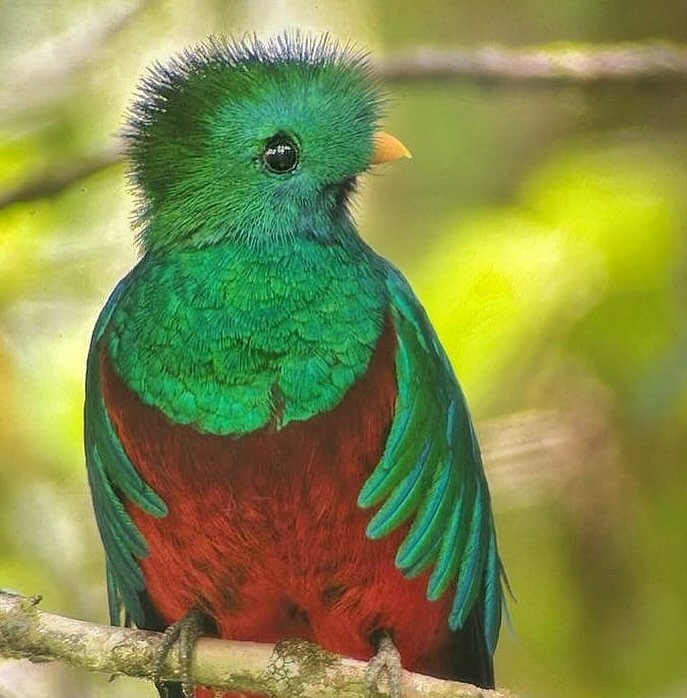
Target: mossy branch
{"x":284,"y":670}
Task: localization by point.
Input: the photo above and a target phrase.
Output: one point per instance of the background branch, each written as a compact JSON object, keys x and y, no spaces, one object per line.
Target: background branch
{"x":290,"y":668}
{"x":54,"y":181}
{"x":551,"y":65}
{"x":47,"y":71}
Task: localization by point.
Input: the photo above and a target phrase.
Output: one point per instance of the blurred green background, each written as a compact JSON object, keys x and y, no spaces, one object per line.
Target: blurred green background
{"x":543,"y":227}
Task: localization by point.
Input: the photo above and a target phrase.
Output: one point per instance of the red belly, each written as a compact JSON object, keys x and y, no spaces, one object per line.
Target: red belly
{"x":264,"y":534}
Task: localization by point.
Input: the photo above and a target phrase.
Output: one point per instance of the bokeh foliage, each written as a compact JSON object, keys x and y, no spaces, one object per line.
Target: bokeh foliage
{"x":543,"y":227}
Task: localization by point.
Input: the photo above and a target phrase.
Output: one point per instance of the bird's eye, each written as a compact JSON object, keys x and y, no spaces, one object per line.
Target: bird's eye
{"x":280,"y":154}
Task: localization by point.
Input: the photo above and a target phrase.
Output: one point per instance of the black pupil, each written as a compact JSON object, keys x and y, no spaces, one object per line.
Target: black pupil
{"x":280,"y":154}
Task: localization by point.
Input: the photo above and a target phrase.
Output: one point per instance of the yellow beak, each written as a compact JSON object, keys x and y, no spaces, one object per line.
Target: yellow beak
{"x":388,"y":148}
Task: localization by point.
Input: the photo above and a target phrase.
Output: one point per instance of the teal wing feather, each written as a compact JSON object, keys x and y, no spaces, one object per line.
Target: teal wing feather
{"x":111,"y":476}
{"x":431,"y":472}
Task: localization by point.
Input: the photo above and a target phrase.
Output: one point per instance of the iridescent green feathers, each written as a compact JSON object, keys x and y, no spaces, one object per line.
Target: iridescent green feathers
{"x":230,"y":339}
{"x":431,"y":472}
{"x":112,"y":476}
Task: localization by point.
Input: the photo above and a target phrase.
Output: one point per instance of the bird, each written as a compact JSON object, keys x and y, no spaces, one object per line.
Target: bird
{"x":276,"y":443}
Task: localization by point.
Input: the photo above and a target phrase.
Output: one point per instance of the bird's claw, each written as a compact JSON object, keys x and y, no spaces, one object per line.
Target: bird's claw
{"x":184,"y":634}
{"x":387,"y":661}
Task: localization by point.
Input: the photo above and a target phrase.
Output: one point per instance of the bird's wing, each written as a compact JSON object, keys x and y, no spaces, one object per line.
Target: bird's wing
{"x":112,"y":476}
{"x":431,"y":471}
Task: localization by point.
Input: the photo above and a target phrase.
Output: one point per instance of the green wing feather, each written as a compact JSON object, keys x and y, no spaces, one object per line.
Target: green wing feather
{"x":111,"y":475}
{"x":431,"y":470}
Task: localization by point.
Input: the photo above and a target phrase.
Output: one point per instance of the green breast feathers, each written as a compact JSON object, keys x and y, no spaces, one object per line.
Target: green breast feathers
{"x":193,"y":338}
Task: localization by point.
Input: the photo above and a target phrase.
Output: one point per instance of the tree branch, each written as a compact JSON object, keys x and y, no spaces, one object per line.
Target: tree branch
{"x":289,"y":668}
{"x":551,"y":65}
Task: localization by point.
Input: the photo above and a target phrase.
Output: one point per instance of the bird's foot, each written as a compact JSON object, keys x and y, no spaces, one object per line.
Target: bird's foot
{"x":184,"y":634}
{"x":387,"y":661}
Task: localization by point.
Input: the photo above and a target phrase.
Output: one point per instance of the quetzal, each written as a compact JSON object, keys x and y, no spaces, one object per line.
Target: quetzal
{"x":275,"y":438}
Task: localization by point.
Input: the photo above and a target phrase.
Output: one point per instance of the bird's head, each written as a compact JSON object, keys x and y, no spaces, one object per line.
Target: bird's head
{"x":253,"y":141}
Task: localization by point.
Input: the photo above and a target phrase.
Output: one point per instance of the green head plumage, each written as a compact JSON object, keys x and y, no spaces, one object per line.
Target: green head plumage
{"x":251,"y":140}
